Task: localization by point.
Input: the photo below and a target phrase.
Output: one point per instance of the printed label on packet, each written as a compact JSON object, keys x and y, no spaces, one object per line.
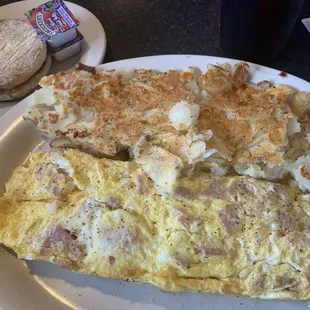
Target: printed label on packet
{"x":53,"y":50}
{"x":51,"y":18}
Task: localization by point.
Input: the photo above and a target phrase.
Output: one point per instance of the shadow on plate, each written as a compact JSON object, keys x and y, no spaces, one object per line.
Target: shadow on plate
{"x":139,"y":296}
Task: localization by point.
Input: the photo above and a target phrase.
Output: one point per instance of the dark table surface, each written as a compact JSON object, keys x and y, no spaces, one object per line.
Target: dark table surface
{"x":152,"y":27}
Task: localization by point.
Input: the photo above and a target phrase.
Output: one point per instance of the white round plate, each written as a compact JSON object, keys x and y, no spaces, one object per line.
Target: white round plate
{"x":39,"y":285}
{"x":93,"y":47}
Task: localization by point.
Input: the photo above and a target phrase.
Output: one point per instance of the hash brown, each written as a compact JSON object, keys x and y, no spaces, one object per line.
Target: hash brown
{"x":217,"y":121}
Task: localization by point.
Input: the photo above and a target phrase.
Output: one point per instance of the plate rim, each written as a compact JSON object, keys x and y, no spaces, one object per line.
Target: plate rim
{"x":224,"y":59}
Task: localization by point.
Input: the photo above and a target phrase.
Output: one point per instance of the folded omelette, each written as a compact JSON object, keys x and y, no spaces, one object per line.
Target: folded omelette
{"x":226,"y":235}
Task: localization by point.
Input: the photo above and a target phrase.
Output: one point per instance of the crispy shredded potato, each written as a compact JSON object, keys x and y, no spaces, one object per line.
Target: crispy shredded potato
{"x":216,"y":121}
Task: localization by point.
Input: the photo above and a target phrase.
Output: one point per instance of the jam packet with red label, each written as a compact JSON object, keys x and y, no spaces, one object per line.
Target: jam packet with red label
{"x":51,"y":18}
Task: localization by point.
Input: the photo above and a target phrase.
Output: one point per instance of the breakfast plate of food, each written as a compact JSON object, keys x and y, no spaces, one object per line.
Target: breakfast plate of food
{"x":25,"y":58}
{"x":165,"y":182}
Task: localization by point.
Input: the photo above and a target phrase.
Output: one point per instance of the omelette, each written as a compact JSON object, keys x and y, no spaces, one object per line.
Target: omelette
{"x":229,"y":235}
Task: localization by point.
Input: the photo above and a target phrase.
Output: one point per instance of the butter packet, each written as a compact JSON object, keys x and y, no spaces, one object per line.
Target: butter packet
{"x":54,"y":50}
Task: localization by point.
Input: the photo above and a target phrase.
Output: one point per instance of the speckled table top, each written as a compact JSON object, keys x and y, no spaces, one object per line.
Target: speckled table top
{"x":151,"y":27}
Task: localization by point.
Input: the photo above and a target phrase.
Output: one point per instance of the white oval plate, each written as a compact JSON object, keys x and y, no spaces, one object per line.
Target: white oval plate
{"x":39,"y":285}
{"x":93,"y":47}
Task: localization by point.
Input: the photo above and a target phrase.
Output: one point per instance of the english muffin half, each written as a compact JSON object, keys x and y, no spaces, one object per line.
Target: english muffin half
{"x":22,"y":53}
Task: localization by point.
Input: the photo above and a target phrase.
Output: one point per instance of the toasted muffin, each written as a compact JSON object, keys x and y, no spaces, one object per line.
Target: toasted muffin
{"x":22,"y":53}
{"x":23,"y":89}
